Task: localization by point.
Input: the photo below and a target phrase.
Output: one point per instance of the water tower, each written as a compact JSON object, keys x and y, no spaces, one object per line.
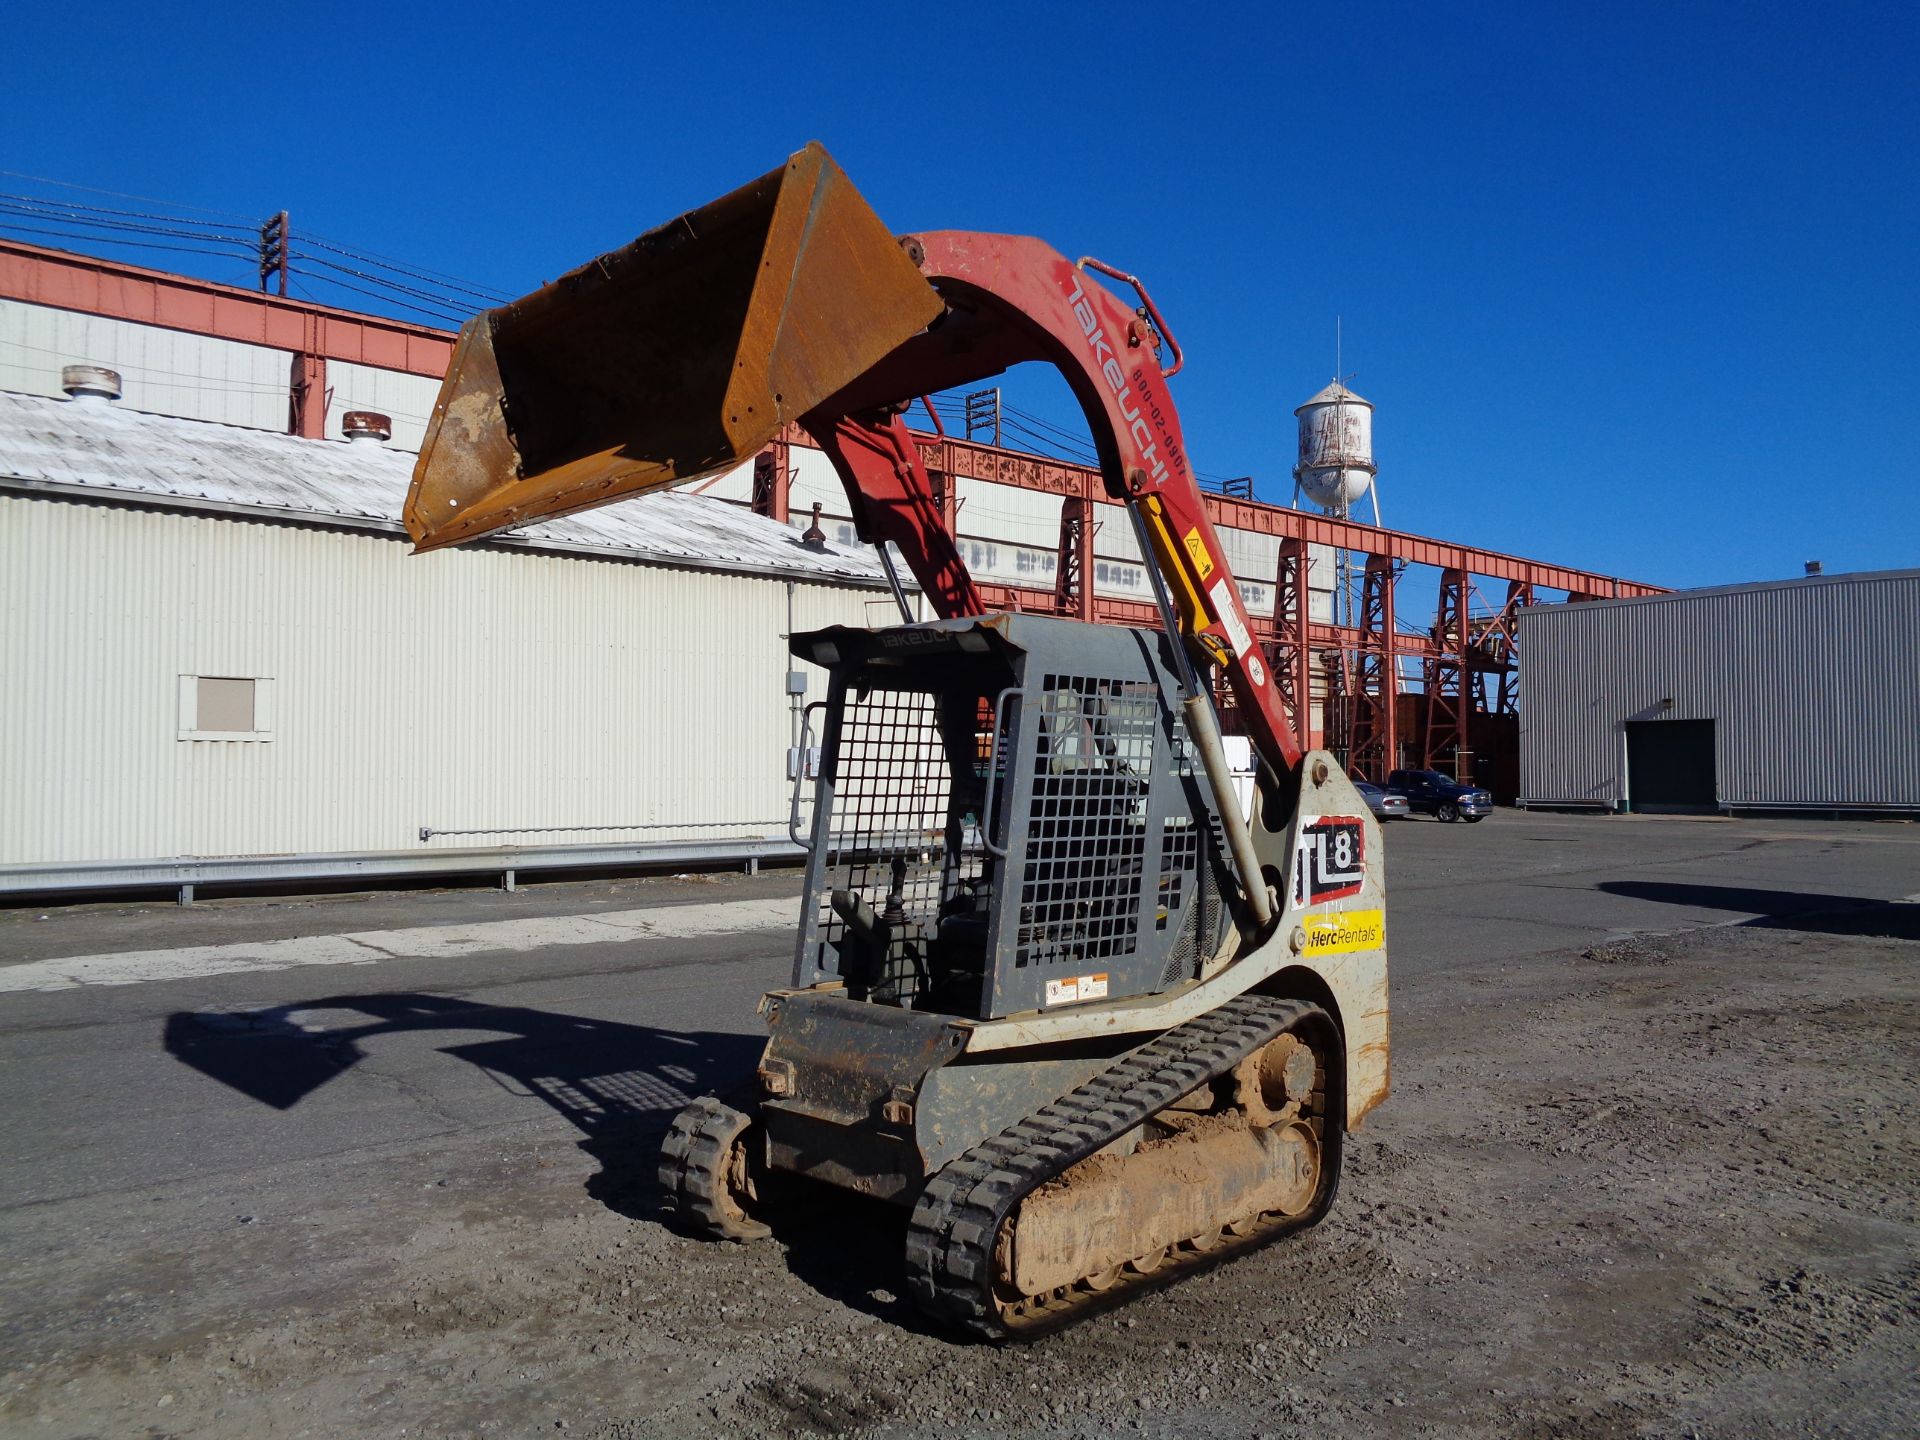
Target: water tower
{"x":1336,"y":451}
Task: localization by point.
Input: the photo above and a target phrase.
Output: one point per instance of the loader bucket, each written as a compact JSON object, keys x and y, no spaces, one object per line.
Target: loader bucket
{"x":678,"y":356}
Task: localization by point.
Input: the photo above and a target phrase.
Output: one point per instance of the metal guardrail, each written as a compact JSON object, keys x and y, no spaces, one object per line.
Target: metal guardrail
{"x":507,"y":861}
{"x":427,"y":832}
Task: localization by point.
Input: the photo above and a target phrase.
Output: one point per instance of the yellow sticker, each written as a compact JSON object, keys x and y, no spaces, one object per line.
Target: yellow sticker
{"x":1197,"y":548}
{"x":1345,"y":931}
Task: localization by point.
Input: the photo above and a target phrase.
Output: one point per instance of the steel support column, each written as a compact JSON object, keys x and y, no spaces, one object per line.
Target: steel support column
{"x":773,"y":481}
{"x":1446,"y":680}
{"x":1507,"y":699}
{"x":307,"y":397}
{"x":1374,"y":742}
{"x":1289,"y":652}
{"x":1073,"y":564}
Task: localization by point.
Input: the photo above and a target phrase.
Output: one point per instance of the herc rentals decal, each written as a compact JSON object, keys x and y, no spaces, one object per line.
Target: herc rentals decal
{"x":1330,"y":862}
{"x":1344,"y":931}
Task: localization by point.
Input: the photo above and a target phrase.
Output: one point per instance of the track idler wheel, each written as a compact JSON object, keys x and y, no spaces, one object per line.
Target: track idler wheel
{"x":709,"y":1170}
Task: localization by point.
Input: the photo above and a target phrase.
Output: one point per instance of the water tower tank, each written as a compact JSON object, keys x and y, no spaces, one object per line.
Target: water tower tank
{"x":1336,"y":448}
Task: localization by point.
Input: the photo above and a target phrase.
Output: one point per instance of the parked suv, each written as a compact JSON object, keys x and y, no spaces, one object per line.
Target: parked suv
{"x":1431,"y":793}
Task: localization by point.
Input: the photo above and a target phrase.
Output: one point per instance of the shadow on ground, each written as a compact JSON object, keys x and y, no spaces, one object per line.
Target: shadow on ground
{"x":1782,"y":909}
{"x":619,"y":1084}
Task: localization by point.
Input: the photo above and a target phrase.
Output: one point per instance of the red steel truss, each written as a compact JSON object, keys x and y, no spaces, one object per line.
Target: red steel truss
{"x":1468,"y":663}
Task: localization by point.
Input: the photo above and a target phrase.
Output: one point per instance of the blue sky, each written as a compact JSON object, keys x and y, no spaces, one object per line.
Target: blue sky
{"x":1633,"y":286}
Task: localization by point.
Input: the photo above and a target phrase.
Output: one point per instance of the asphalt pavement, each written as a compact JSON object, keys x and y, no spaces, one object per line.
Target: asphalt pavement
{"x":117,"y":1083}
{"x":379,"y":1164}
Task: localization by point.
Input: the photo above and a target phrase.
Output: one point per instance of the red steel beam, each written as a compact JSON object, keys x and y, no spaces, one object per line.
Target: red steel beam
{"x":66,"y":281}
{"x":1110,"y":610}
{"x":1059,"y":477}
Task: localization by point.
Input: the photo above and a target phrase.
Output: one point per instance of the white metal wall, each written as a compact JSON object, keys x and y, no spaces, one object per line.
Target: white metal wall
{"x":198,"y":377}
{"x":1813,"y":687}
{"x":162,"y":372}
{"x":458,"y":690}
{"x":407,"y":400}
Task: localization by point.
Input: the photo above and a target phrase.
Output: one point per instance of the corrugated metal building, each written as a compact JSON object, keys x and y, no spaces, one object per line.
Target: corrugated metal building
{"x":1797,"y":694}
{"x":220,"y":644}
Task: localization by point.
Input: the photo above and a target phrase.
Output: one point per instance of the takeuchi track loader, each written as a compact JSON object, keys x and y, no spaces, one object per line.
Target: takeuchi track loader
{"x":1053,"y":991}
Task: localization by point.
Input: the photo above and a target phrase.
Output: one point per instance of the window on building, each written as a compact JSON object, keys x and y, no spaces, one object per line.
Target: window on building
{"x":226,"y":707}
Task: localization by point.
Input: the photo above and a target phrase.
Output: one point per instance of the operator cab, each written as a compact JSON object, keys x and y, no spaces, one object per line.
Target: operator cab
{"x":1008,"y":815}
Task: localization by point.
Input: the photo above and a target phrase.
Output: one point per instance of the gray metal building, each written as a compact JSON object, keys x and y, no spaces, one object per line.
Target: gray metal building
{"x":1791,"y":695}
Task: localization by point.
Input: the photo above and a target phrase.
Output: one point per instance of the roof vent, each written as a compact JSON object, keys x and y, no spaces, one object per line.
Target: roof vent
{"x":1813,"y":567}
{"x":94,"y":384}
{"x":367,"y":427}
{"x":814,"y":538}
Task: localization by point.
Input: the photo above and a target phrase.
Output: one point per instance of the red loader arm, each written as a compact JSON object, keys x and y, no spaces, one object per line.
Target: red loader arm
{"x":1011,"y":299}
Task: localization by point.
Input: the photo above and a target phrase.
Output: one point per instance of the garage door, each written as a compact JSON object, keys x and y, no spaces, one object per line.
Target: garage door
{"x":1670,"y":765}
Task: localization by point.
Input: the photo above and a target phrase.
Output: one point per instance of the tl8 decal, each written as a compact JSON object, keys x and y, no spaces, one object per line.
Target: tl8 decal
{"x":1331,"y":859}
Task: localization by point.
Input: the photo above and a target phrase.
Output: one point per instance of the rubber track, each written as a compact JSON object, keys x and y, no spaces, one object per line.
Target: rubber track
{"x":951,"y":1235}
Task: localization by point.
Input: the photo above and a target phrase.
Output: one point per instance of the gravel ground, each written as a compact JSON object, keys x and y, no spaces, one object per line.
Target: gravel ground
{"x":1663,"y":1186}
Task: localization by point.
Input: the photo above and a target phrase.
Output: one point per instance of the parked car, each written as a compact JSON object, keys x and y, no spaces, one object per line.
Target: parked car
{"x":1441,"y":796}
{"x":1384,"y":804}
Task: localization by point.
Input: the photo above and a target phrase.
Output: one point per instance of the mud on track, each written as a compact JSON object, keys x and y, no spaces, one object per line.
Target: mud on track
{"x":1664,"y":1187}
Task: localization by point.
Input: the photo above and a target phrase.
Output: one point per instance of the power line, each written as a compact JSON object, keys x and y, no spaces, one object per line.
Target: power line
{"x":443,"y":300}
{"x":442,"y":297}
{"x":112,"y":240}
{"x":368,"y":257}
{"x":122,"y":195}
{"x":46,"y":203}
{"x":31,"y":212}
{"x":442,"y":316}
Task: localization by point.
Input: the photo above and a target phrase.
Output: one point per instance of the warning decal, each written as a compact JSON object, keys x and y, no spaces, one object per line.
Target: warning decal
{"x":1077,"y":988}
{"x":1228,"y":604}
{"x":1197,"y":548}
{"x":1350,"y":930}
{"x":1330,"y":861}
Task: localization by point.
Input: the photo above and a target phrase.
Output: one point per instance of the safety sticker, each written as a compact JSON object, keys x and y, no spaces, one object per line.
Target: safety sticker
{"x":1197,"y":548}
{"x":1346,"y":931}
{"x":1076,"y":988}
{"x":1330,"y":862}
{"x":1228,"y":604}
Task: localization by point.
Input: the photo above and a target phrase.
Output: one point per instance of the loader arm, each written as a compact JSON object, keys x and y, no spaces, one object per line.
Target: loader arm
{"x":1011,"y":299}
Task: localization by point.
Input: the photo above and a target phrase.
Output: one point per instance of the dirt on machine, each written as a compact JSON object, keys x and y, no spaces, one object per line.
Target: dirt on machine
{"x":1094,"y":1024}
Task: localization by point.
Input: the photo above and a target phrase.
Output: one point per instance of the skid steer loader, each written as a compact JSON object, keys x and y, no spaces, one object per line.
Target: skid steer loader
{"x":1054,"y":991}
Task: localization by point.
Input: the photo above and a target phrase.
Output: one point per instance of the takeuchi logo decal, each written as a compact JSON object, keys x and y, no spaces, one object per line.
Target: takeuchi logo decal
{"x":1108,"y":364}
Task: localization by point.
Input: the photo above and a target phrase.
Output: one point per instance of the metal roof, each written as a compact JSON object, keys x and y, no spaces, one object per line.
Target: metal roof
{"x":1791,"y":582}
{"x":82,"y":448}
{"x":1334,"y":391}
